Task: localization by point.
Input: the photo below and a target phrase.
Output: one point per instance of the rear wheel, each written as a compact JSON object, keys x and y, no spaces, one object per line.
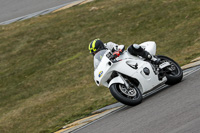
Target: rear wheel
{"x":174,"y":72}
{"x":131,"y":96}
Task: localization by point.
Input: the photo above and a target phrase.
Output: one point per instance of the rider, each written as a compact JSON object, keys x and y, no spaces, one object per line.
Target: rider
{"x":135,"y":49}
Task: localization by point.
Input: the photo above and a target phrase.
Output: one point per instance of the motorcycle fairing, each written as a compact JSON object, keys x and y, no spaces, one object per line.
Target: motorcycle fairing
{"x":106,"y":68}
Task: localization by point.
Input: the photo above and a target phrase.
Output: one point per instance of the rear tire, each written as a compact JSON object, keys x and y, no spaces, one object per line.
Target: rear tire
{"x":121,"y":97}
{"x":176,"y":75}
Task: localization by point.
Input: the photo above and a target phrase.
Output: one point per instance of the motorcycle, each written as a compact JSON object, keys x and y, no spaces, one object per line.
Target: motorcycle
{"x":130,"y":77}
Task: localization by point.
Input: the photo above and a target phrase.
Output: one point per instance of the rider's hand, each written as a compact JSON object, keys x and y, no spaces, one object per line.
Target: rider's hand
{"x":116,"y":54}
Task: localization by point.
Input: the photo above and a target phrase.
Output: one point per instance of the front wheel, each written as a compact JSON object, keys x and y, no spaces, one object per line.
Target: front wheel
{"x":131,"y":96}
{"x":174,"y":72}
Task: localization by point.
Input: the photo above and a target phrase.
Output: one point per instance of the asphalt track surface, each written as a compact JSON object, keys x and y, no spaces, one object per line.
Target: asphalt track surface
{"x":10,"y":9}
{"x":176,"y":109}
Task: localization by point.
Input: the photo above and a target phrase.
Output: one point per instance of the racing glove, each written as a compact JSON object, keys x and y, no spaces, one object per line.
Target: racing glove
{"x":116,"y":54}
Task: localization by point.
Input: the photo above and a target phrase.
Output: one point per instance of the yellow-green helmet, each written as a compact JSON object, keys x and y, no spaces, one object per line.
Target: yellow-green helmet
{"x":95,"y":46}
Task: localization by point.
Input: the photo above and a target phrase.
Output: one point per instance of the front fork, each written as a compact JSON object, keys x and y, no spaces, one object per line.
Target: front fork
{"x":129,"y":91}
{"x":126,"y":84}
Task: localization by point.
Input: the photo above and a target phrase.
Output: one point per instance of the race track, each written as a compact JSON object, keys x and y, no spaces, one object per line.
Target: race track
{"x":11,"y":9}
{"x":176,"y":109}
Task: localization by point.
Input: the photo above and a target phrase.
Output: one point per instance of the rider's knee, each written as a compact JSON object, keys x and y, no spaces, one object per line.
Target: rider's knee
{"x":135,"y":50}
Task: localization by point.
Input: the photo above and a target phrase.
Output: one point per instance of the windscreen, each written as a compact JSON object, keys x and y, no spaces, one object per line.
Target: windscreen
{"x":97,"y":58}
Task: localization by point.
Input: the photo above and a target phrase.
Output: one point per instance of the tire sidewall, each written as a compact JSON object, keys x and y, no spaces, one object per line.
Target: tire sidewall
{"x":114,"y":89}
{"x":171,"y":80}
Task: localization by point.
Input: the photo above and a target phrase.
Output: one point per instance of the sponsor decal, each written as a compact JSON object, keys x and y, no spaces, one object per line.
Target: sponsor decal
{"x":100,"y":74}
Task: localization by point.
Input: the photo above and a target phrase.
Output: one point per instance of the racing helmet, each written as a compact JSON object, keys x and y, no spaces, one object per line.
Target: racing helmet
{"x":95,"y":46}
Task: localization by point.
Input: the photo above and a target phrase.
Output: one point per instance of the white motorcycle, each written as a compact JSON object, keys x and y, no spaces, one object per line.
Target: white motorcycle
{"x":130,"y":77}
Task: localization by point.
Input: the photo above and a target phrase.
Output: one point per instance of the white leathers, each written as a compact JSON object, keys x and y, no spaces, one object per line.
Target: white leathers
{"x":113,"y":46}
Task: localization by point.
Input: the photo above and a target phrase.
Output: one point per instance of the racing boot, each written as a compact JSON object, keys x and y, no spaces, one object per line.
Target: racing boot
{"x":155,"y":60}
{"x":136,"y":50}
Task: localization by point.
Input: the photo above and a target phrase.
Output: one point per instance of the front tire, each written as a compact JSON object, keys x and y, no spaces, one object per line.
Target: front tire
{"x":125,"y":99}
{"x":175,"y":76}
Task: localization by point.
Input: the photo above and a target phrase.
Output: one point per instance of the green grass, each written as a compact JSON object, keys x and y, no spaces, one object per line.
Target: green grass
{"x":46,"y":71}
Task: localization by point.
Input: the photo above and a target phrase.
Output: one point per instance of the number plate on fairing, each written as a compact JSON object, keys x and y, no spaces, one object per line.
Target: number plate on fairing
{"x":163,"y":65}
{"x":109,"y":55}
